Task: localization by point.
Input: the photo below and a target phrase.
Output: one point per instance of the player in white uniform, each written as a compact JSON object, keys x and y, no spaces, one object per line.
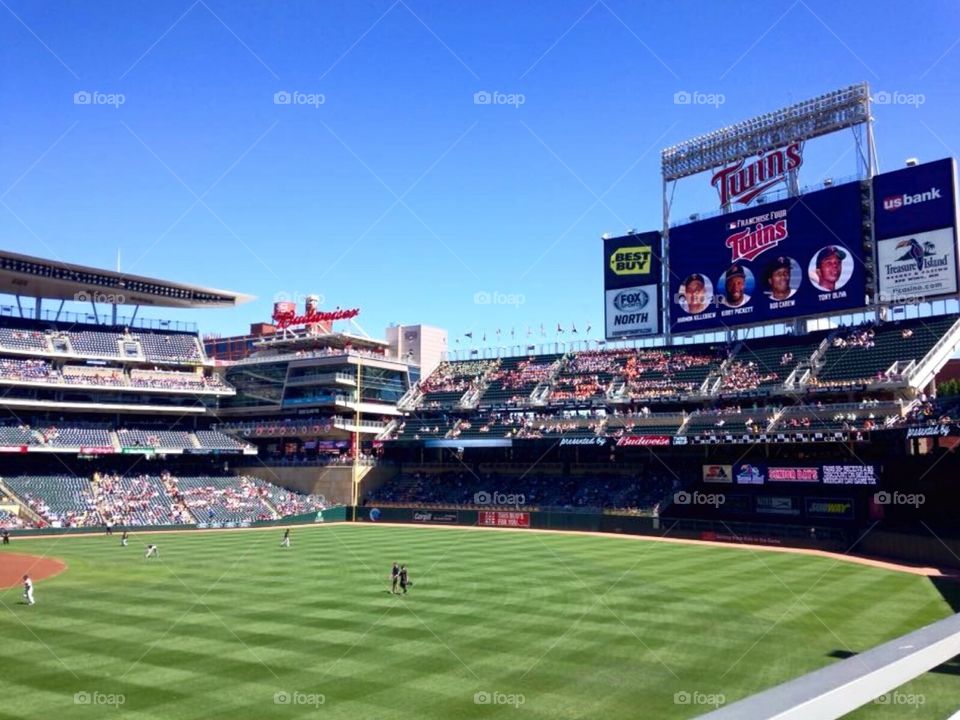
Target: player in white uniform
{"x":28,"y":590}
{"x":152,"y":551}
{"x":286,"y":538}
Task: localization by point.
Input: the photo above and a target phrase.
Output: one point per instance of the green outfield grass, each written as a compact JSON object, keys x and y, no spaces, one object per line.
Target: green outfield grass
{"x":225,"y":623}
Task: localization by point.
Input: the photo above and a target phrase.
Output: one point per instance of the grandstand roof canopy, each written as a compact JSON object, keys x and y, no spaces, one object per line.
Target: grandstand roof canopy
{"x":36,"y":277}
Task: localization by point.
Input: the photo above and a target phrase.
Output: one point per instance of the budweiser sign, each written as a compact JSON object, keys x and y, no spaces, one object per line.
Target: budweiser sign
{"x":742,"y":183}
{"x":643,"y":440}
{"x":749,"y":243}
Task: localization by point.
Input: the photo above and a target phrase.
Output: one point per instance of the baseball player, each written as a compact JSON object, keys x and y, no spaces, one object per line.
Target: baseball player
{"x":286,"y":538}
{"x":123,"y":538}
{"x":394,"y":578}
{"x":152,"y":551}
{"x":28,"y":590}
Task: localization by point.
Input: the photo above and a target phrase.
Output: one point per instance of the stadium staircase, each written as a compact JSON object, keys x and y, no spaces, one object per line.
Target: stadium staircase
{"x":712,"y":382}
{"x":411,"y":398}
{"x":471,"y":398}
{"x":391,"y":427}
{"x":540,"y":395}
{"x":774,"y":419}
{"x":25,"y":509}
{"x":924,"y":371}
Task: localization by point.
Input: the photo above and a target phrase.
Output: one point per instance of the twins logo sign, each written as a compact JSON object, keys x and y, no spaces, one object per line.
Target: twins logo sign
{"x":633,"y":311}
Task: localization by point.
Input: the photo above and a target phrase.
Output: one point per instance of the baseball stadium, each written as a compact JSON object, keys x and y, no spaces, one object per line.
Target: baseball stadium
{"x":739,"y":503}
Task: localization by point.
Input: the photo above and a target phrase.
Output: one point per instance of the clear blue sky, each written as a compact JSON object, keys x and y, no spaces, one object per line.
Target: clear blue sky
{"x":398,"y":194}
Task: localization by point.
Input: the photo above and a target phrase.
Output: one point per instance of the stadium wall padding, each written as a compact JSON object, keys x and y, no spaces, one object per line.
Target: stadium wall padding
{"x":330,"y":515}
{"x":918,"y":549}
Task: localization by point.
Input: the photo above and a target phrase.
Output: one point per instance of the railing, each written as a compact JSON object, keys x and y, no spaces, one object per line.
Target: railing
{"x":74,"y":318}
{"x":943,"y":346}
{"x":840,"y":688}
{"x":410,"y":398}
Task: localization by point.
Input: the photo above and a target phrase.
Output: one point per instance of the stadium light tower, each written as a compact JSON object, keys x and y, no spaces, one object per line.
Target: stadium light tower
{"x":773,"y":145}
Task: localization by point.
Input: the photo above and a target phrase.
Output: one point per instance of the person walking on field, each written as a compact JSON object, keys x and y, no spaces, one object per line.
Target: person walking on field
{"x":28,"y":590}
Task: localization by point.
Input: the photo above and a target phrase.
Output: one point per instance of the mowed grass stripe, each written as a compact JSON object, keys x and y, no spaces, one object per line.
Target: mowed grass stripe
{"x":578,"y":625}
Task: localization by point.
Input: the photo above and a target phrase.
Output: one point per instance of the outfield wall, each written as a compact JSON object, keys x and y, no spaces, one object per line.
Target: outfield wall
{"x":330,"y":515}
{"x":927,"y":549}
{"x":819,"y":538}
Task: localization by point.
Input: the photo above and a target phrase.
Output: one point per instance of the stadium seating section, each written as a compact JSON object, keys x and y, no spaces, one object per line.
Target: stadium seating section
{"x":149,"y":500}
{"x":611,"y":392}
{"x":42,"y":371}
{"x":161,"y":347}
{"x":74,"y":437}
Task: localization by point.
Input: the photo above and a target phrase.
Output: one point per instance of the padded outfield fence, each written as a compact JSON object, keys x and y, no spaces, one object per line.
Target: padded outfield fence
{"x":922,"y":549}
{"x":334,"y":514}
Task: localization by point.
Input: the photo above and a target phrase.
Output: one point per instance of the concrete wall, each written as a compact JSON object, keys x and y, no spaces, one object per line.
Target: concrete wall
{"x":333,"y":482}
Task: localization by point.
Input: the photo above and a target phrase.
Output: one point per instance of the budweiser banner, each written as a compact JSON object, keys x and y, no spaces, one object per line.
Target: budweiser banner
{"x":643,"y":441}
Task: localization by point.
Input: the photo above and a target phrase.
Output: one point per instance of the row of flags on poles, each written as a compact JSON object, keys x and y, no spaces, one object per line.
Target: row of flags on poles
{"x":530,"y":332}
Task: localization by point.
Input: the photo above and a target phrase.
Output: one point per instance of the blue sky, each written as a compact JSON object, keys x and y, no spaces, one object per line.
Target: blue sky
{"x":382,"y":185}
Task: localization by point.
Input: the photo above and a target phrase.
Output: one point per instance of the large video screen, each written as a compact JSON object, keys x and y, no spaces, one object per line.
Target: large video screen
{"x":632,"y":273}
{"x":796,"y":257}
{"x":915,"y":215}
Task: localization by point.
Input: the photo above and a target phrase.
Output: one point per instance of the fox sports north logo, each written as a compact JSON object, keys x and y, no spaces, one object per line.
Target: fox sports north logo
{"x":630,"y":300}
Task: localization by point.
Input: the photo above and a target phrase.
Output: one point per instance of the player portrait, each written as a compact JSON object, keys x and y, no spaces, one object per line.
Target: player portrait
{"x":696,"y":294}
{"x":738,"y":285}
{"x":781,"y":278}
{"x":831,"y":268}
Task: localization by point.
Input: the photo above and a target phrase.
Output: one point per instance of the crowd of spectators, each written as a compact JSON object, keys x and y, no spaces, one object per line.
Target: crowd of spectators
{"x":457,"y":376}
{"x":151,"y":500}
{"x":11,"y":521}
{"x":137,"y":500}
{"x":37,"y":370}
{"x":27,"y":370}
{"x":581,"y":387}
{"x":527,"y":374}
{"x":739,"y":375}
{"x":221,"y":499}
{"x":861,"y":336}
